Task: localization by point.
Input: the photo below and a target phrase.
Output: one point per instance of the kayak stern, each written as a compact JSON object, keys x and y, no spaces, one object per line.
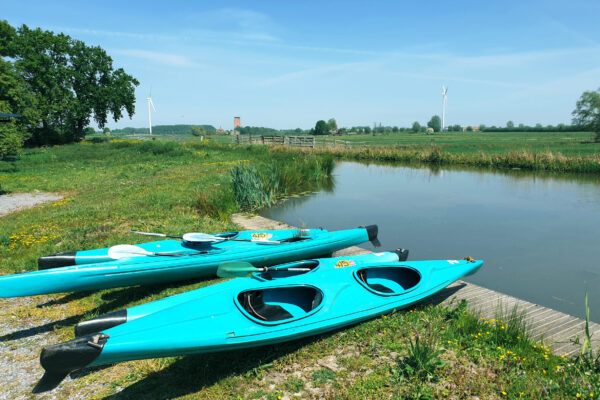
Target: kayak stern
{"x":59,"y":360}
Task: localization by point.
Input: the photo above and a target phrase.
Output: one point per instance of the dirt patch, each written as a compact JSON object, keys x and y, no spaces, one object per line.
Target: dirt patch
{"x":10,"y":203}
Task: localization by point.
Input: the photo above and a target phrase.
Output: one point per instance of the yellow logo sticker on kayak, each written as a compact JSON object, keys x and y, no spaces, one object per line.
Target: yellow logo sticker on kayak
{"x":345,"y":263}
{"x":258,"y":236}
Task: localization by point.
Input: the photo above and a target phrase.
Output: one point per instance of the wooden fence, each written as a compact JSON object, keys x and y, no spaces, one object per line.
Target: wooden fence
{"x":297,"y":141}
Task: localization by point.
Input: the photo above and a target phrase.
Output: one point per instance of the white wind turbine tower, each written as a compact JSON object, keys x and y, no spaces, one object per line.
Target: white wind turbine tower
{"x":444,"y":96}
{"x":150,"y":103}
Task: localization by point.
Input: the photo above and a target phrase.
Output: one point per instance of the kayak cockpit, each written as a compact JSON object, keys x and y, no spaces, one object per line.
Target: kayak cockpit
{"x":279,"y":305}
{"x":388,"y":281}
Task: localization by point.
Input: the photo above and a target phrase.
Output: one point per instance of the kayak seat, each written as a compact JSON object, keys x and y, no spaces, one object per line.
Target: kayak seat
{"x":389,"y":280}
{"x":254,"y":304}
{"x":362,"y":274}
{"x":279,"y":304}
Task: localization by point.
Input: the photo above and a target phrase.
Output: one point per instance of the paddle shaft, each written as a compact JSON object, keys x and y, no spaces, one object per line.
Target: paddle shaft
{"x":266,"y":269}
{"x":209,"y":238}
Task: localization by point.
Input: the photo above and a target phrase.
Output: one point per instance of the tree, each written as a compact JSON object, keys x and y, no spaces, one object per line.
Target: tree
{"x":11,"y":135}
{"x":510,"y":125}
{"x":106,"y":131}
{"x":14,"y":99}
{"x":321,"y":128}
{"x":587,"y":112}
{"x":435,"y":123}
{"x":90,"y":131}
{"x":197,"y":130}
{"x":70,"y":82}
{"x":332,"y":124}
{"x":416,"y":127}
{"x":481,"y":127}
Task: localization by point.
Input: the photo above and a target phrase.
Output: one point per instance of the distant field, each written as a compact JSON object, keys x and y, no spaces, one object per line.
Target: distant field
{"x":566,"y":143}
{"x":569,"y":144}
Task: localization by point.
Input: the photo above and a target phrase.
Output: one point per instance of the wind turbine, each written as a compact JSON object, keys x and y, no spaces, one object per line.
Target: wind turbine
{"x":444,"y":96}
{"x":150,"y":103}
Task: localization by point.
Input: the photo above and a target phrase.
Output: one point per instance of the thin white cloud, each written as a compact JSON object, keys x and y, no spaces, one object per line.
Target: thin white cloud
{"x":569,"y":31}
{"x":116,"y":34}
{"x":461,"y":79}
{"x":174,"y":60}
{"x":236,"y":23}
{"x":520,"y":58}
{"x":317,"y":72}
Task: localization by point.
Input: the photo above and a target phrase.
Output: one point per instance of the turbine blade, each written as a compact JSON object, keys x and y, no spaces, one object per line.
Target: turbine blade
{"x":151,"y":102}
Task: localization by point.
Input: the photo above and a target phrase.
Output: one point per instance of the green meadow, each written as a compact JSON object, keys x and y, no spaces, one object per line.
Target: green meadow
{"x":491,"y":143}
{"x":110,"y":187}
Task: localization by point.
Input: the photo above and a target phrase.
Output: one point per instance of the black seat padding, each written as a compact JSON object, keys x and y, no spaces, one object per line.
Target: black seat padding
{"x":362,"y":274}
{"x":253,"y":303}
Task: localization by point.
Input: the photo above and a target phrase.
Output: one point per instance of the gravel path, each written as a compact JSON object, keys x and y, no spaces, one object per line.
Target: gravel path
{"x":22,"y":340}
{"x":10,"y":203}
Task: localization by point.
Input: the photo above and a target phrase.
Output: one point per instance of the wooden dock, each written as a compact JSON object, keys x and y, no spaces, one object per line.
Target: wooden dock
{"x":553,"y":327}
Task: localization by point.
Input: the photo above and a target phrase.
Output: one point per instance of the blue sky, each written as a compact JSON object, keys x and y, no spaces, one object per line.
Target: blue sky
{"x":287,"y":64}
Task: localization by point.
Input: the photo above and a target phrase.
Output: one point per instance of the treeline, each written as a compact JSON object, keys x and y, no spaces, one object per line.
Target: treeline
{"x":536,"y":128}
{"x":179,"y":129}
{"x":58,"y":85}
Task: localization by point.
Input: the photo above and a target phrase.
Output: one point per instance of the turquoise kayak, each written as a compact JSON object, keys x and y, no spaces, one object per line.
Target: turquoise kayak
{"x":265,"y":308}
{"x":174,"y":260}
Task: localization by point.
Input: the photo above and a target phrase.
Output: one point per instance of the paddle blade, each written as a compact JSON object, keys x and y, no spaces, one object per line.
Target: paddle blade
{"x":235,"y":269}
{"x":126,"y":250}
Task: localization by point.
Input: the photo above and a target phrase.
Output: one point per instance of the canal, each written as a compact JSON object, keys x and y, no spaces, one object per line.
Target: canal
{"x":537,"y":233}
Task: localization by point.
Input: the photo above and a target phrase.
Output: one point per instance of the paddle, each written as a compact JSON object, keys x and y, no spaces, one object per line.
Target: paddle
{"x":199,"y":237}
{"x":128,"y":250}
{"x":236,"y":269}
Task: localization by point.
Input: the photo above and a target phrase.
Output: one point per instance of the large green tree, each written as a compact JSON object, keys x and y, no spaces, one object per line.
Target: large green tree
{"x":15,"y":98}
{"x":435,"y":123}
{"x":321,"y":128}
{"x":587,"y":112}
{"x":71,"y":83}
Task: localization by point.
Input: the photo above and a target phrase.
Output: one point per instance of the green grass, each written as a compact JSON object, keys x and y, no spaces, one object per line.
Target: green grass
{"x":111,"y":187}
{"x":566,"y":143}
{"x":452,"y":150}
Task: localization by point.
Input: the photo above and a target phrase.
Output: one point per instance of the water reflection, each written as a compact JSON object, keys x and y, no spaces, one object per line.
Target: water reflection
{"x":537,"y":231}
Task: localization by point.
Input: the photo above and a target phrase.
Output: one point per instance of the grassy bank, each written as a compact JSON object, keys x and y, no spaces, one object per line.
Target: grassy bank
{"x":115,"y":186}
{"x":537,"y":151}
{"x":425,"y":352}
{"x":491,"y":143}
{"x":437,"y":155}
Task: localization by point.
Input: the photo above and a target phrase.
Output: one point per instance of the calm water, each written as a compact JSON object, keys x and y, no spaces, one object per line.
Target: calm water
{"x":539,"y":235}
